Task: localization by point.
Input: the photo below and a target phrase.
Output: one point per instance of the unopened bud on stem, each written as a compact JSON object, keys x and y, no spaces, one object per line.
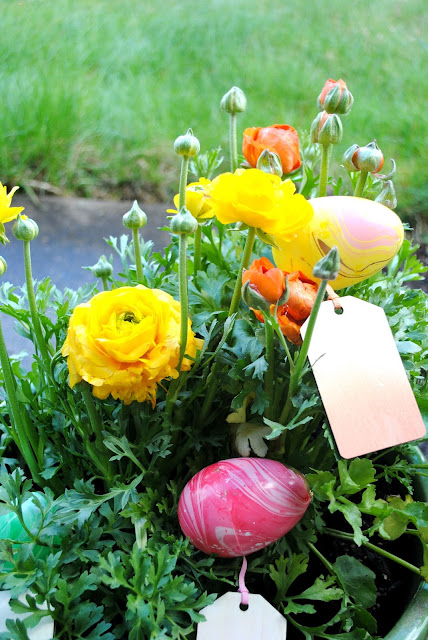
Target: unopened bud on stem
{"x":184,"y":222}
{"x":328,"y":267}
{"x":3,"y":266}
{"x":270,"y":162}
{"x":335,"y":97}
{"x":25,"y":229}
{"x":135,"y":218}
{"x":326,"y":128}
{"x":102,"y":269}
{"x":234,"y":101}
{"x":368,"y":158}
{"x":187,"y":145}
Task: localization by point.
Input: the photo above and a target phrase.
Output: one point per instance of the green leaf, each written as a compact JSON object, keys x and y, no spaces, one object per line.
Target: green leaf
{"x":16,"y":631}
{"x":322,"y":590}
{"x":357,"y":476}
{"x":322,"y":484}
{"x":365,"y":620}
{"x":357,"y":580}
{"x":245,"y":341}
{"x":422,"y":401}
{"x":407,"y":347}
{"x":286,"y":572}
{"x":296,"y":607}
{"x":257,"y":368}
{"x":394,"y":525}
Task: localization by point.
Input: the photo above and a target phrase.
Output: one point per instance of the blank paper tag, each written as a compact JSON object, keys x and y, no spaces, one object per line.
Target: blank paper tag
{"x":226,"y":621}
{"x":363,"y":385}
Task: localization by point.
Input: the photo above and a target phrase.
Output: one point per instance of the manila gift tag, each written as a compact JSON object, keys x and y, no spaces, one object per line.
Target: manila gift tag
{"x":225,"y":620}
{"x":363,"y":385}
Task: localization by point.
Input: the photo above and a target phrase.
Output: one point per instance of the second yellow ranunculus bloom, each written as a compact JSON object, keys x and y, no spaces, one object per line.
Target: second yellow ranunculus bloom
{"x":259,"y":200}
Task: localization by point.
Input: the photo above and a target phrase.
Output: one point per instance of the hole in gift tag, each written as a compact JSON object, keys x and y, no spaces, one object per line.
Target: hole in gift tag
{"x":243,"y":607}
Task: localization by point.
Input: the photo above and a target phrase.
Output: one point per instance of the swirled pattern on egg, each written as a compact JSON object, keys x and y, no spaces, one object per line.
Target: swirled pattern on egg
{"x":238,"y":506}
{"x":367,"y":234}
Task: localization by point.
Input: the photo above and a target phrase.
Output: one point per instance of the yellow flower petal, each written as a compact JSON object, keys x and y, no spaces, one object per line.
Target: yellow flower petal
{"x":259,"y":200}
{"x":125,"y":341}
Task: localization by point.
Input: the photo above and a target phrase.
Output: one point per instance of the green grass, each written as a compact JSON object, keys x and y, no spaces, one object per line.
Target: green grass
{"x":95,"y":92}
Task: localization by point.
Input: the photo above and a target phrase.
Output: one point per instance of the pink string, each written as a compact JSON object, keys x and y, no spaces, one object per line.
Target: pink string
{"x":242,"y":588}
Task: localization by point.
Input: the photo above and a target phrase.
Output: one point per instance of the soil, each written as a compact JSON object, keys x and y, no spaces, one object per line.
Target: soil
{"x":395,"y":584}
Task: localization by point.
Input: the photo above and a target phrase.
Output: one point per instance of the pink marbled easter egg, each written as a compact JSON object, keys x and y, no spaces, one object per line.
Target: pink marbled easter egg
{"x":238,"y":506}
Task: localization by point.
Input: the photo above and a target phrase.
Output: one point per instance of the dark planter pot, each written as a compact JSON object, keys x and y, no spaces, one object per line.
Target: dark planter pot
{"x":413,"y":624}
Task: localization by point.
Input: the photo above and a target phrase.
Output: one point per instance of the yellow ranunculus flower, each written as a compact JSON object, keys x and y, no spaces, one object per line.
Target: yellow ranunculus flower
{"x":125,"y":341}
{"x":197,"y":200}
{"x":260,"y":200}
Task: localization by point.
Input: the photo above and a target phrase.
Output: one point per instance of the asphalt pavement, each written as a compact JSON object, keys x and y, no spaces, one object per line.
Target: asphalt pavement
{"x":71,"y":235}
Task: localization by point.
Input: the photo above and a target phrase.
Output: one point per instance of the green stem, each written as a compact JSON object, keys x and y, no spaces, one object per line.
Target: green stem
{"x":197,"y":251}
{"x":137,"y":253}
{"x":269,"y":381}
{"x":233,"y":145}
{"x":325,"y":161}
{"x":245,"y":259}
{"x":94,"y":417}
{"x":386,"y":554}
{"x":17,"y":426}
{"x":212,"y":385}
{"x":295,"y":376}
{"x":323,"y":559}
{"x":183,"y":182}
{"x":104,"y":280}
{"x":184,"y":295}
{"x":284,"y":344}
{"x":359,"y":187}
{"x":41,"y":343}
{"x":97,"y":428}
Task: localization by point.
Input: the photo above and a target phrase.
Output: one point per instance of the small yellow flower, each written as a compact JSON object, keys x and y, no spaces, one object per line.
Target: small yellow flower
{"x":260,"y":200}
{"x":7,"y":213}
{"x":197,"y":201}
{"x":125,"y":341}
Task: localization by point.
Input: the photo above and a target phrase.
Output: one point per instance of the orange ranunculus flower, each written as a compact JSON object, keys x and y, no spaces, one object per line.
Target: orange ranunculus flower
{"x":280,"y":138}
{"x":293,"y":314}
{"x":266,"y":279}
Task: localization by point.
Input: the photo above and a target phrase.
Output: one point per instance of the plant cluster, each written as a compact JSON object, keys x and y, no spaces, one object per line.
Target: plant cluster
{"x":144,"y":377}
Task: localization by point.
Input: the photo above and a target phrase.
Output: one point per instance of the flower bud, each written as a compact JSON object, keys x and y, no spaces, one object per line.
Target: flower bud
{"x":347,"y":158}
{"x":335,"y":97}
{"x":187,"y":145}
{"x":253,"y":298}
{"x":102,"y":269}
{"x":25,"y":229}
{"x":326,"y":128}
{"x":234,"y":101}
{"x":135,"y":218}
{"x":270,"y":162}
{"x":387,"y":196}
{"x":328,"y":267}
{"x":3,"y":266}
{"x":368,"y":158}
{"x":184,"y":222}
